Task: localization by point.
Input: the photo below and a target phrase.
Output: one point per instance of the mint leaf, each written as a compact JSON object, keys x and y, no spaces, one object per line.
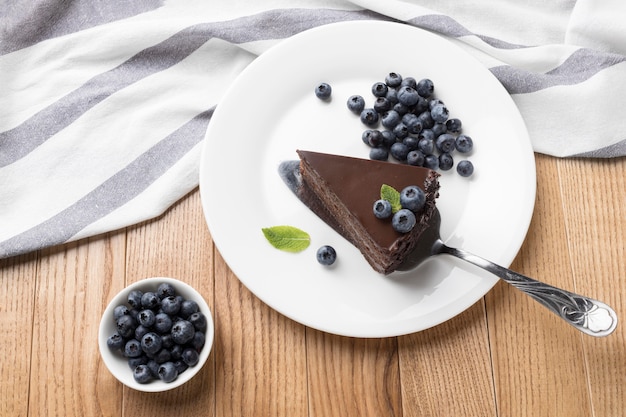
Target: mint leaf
{"x":287,"y":238}
{"x":392,"y":195}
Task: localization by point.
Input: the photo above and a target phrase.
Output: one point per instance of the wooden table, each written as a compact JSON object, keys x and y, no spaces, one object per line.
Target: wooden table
{"x":505,"y":356}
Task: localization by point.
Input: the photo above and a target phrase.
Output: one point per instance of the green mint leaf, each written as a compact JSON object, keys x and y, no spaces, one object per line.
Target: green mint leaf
{"x":392,"y":195}
{"x":287,"y":238}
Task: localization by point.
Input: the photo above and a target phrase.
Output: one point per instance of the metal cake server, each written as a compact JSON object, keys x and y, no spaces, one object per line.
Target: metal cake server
{"x":590,"y":316}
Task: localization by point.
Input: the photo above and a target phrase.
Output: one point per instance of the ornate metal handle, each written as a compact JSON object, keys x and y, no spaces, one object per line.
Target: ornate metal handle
{"x":590,"y":316}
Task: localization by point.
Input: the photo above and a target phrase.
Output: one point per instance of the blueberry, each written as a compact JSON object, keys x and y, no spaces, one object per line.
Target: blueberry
{"x":379,"y":154}
{"x":426,"y":119}
{"x":421,"y":105}
{"x":388,"y":138}
{"x":153,"y":366}
{"x":126,"y":326}
{"x":162,"y":356}
{"x":464,"y":144}
{"x":142,"y":374}
{"x":427,"y":134}
{"x":139,"y":360}
{"x":390,"y":119}
{"x":323,"y":91}
{"x":180,"y":366}
{"x":120,"y":311}
{"x":166,"y":341}
{"x":392,"y":96}
{"x":163,"y":323}
{"x":426,"y":146}
{"x":372,"y":137}
{"x":403,"y":221}
{"x":176,"y":352}
{"x":413,"y":123}
{"x":134,"y":298}
{"x":151,"y":343}
{"x":434,"y":102}
{"x":409,"y":82}
{"x":182,"y":332}
{"x":146,"y":318}
{"x":382,"y":105}
{"x":431,"y":162}
{"x":132,"y":349}
{"x":393,"y":79}
{"x":356,"y":104}
{"x":445,"y":161}
{"x":171,"y":305}
{"x":415,"y":158}
{"x":380,"y":89}
{"x":453,"y":125}
{"x":190,"y":357}
{"x":165,"y":289}
{"x":188,"y":307}
{"x":326,"y":255}
{"x":439,"y":113}
{"x":399,"y":151}
{"x":425,"y":88}
{"x":167,"y":372}
{"x":439,"y":129}
{"x":402,"y":109}
{"x":465,"y":168}
{"x":140,"y":331}
{"x":445,"y":143}
{"x":412,"y":198}
{"x":407,"y":96}
{"x":115,"y":342}
{"x":411,"y":143}
{"x":134,"y":313}
{"x":199,"y":321}
{"x":199,"y":339}
{"x":401,"y":130}
{"x":382,"y":209}
{"x":369,"y":117}
{"x":150,"y":300}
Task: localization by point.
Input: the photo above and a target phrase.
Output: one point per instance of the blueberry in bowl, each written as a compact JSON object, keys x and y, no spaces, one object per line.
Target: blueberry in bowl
{"x":156,"y":334}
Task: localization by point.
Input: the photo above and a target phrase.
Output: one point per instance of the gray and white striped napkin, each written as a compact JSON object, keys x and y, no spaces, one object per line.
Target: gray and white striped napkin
{"x":104,"y":107}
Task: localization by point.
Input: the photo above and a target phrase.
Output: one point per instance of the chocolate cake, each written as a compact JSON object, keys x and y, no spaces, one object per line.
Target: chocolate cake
{"x":341,"y":190}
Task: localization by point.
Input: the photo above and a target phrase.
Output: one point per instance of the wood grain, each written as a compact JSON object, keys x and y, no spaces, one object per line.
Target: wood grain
{"x":17,"y":292}
{"x":537,"y":357}
{"x":595,"y":217}
{"x":446,"y":370}
{"x":260,"y":354}
{"x":353,"y":377}
{"x":506,"y":356}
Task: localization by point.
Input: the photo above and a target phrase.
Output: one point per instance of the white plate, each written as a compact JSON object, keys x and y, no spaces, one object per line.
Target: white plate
{"x":271,"y":110}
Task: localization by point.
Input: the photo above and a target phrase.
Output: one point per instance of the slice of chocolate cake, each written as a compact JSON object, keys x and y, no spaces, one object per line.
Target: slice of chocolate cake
{"x":342,"y":190}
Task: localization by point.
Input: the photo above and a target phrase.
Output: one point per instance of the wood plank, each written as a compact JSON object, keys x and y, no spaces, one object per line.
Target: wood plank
{"x":176,"y":245}
{"x":596,"y":222}
{"x":446,"y":370}
{"x":353,"y":377}
{"x":536,"y":356}
{"x":18,"y":279}
{"x":75,"y":282}
{"x":260,"y":354}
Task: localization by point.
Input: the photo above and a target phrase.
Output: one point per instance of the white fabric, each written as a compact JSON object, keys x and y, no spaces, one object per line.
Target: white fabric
{"x":105,"y":106}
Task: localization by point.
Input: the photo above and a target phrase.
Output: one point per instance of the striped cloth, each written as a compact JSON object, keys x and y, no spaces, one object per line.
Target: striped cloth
{"x":105,"y":104}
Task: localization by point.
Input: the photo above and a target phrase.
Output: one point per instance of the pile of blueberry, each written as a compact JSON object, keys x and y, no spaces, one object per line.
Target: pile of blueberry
{"x":408,"y":123}
{"x":160,"y":333}
{"x":412,"y":200}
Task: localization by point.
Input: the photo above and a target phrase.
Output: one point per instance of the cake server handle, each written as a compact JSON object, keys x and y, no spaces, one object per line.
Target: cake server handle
{"x":590,"y":316}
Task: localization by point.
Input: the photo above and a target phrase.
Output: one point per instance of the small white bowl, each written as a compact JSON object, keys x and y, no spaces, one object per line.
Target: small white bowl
{"x":118,"y":365}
